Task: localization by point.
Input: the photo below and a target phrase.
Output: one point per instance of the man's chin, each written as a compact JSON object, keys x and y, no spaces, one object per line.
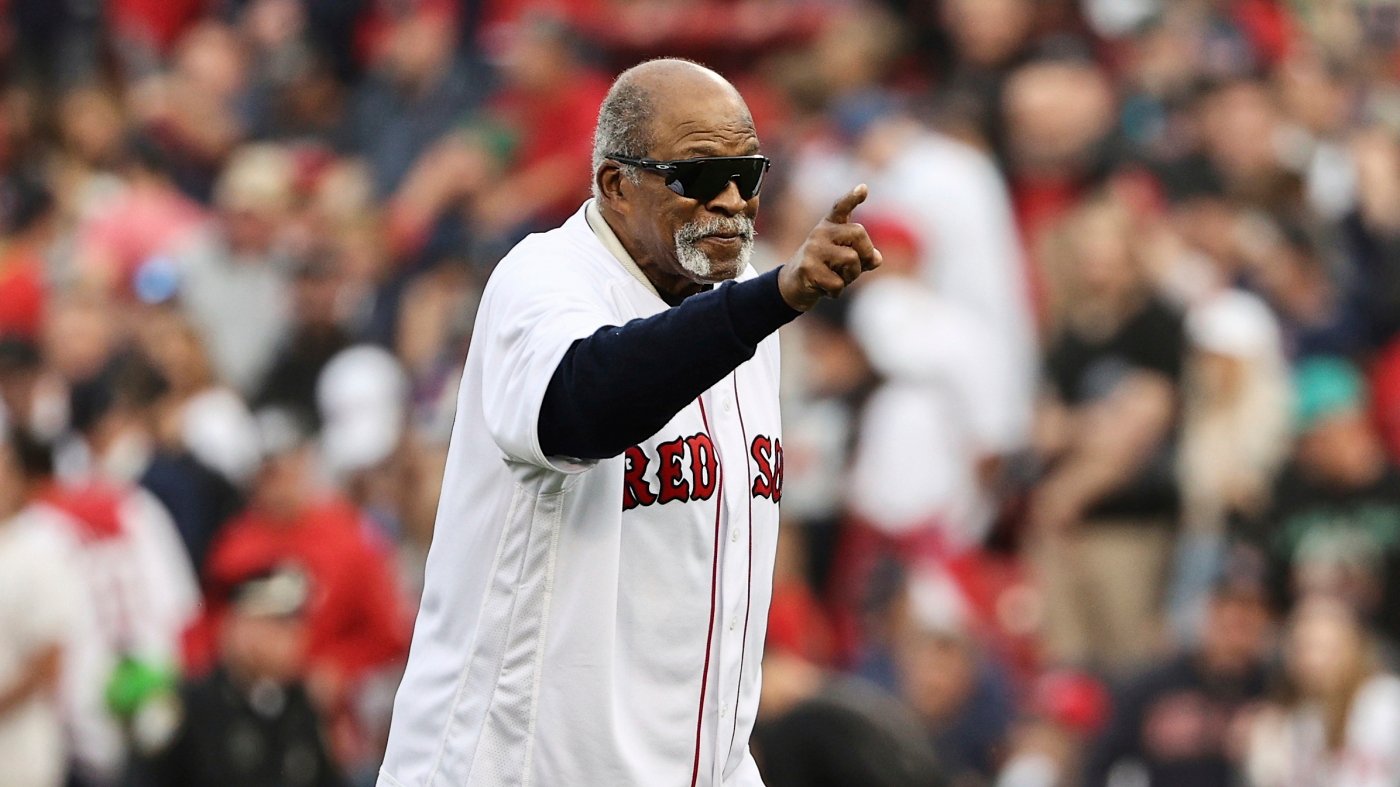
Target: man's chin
{"x":721,"y":268}
{"x":720,"y":271}
{"x":738,"y":264}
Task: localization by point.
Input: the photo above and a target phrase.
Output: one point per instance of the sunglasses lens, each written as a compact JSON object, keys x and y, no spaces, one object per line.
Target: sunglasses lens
{"x":703,"y":180}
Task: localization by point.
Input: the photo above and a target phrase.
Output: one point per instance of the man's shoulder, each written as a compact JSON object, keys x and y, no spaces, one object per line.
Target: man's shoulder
{"x":569,"y":252}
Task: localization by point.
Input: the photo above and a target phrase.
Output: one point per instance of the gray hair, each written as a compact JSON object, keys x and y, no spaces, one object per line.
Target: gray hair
{"x":624,"y":128}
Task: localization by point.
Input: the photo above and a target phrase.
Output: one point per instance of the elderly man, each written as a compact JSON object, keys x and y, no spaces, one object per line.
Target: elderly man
{"x":600,"y":573}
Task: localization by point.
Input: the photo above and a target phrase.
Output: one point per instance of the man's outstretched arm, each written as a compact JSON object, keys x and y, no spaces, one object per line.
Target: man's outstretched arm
{"x":620,"y":385}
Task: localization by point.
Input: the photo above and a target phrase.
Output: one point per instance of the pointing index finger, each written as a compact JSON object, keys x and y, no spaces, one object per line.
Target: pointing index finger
{"x":841,"y":211}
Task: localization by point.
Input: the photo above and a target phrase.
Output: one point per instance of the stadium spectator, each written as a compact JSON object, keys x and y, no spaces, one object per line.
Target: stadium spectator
{"x":547,"y":105}
{"x":240,"y":266}
{"x":293,"y":94}
{"x":1235,"y":436}
{"x":820,"y":429}
{"x":1336,"y":722}
{"x":507,"y":170}
{"x":314,"y":336}
{"x":1336,"y":502}
{"x":133,"y":573}
{"x":86,"y":168}
{"x":1057,"y":116}
{"x":418,"y":88}
{"x":1182,"y":720}
{"x":930,"y":434}
{"x":143,"y":219}
{"x":1371,"y":233}
{"x":933,"y":430}
{"x":251,"y":722}
{"x":356,"y":621}
{"x":41,"y":602}
{"x":956,"y":688}
{"x":190,"y":110}
{"x":964,"y":237}
{"x":198,"y":412}
{"x":131,"y":560}
{"x":1104,"y":515}
{"x":198,"y":498}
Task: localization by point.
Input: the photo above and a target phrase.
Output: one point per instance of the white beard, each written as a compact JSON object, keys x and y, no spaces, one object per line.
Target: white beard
{"x":696,"y":261}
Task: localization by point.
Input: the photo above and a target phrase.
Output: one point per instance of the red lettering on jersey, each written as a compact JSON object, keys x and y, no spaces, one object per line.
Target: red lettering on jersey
{"x":762,"y":452}
{"x":704,"y":466}
{"x":768,"y":455}
{"x":672,"y":472}
{"x":635,"y":490}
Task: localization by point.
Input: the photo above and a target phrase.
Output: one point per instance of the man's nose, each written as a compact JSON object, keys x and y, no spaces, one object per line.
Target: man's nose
{"x":728,"y":202}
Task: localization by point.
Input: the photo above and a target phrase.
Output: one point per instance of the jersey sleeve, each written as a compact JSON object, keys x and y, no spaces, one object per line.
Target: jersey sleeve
{"x":622,"y":383}
{"x":533,"y":311}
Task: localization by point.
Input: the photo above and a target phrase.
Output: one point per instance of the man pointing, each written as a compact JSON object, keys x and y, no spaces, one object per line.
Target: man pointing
{"x":598,"y":584}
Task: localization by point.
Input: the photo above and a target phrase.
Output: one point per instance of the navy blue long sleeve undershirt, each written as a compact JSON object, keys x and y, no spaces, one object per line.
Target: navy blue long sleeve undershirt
{"x":618,"y":386}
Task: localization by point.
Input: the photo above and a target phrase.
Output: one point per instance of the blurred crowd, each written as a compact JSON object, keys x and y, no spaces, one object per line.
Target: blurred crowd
{"x":1097,"y":482}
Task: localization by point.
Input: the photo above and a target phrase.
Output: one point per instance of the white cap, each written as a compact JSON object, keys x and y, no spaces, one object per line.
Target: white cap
{"x":936,"y":604}
{"x":362,"y":395}
{"x":1234,"y":323}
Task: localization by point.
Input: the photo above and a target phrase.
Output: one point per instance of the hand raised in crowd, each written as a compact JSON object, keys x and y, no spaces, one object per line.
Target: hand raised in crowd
{"x":837,"y":251}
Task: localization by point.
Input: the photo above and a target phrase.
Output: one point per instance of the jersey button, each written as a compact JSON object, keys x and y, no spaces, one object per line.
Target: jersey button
{"x":728,"y":406}
{"x":734,"y":536}
{"x":724,"y":710}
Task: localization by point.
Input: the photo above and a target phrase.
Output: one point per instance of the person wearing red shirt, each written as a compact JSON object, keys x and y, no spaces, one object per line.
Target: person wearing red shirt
{"x":357,"y":623}
{"x":547,"y":108}
{"x":521,"y":163}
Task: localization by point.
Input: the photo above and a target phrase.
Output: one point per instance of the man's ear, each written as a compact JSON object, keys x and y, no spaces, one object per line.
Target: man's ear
{"x":610,"y":184}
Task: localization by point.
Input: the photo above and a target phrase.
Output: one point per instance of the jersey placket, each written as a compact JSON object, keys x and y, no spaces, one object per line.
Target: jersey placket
{"x":735,"y":568}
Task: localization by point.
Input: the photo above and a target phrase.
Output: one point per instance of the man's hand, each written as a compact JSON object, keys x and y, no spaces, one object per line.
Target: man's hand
{"x":836,"y":252}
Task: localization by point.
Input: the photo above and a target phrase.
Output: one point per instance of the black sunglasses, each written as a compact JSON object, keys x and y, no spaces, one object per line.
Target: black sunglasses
{"x":703,"y":179}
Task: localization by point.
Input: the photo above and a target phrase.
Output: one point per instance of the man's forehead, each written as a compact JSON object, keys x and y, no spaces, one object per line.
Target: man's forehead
{"x":733,"y":138}
{"x":720,"y":125}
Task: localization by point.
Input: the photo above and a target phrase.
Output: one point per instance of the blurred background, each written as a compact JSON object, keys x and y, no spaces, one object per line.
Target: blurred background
{"x":1094,"y":483}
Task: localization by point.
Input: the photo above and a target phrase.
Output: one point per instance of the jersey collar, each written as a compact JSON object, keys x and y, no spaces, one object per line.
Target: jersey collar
{"x":608,"y":238}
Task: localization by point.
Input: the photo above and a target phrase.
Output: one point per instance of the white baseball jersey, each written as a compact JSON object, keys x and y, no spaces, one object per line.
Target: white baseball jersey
{"x":590,"y":623}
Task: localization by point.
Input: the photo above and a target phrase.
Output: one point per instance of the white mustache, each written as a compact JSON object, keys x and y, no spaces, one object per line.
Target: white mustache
{"x":741,"y":226}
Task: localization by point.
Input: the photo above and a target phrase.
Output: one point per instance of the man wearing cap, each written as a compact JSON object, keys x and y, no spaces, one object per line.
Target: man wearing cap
{"x":251,"y":722}
{"x":356,"y":622}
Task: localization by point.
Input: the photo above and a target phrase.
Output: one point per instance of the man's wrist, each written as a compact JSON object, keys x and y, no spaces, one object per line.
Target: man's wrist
{"x":757,"y":307}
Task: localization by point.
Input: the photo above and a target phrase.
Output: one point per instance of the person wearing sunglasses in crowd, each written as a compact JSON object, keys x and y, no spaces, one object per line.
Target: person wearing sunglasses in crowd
{"x":597,"y":588}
